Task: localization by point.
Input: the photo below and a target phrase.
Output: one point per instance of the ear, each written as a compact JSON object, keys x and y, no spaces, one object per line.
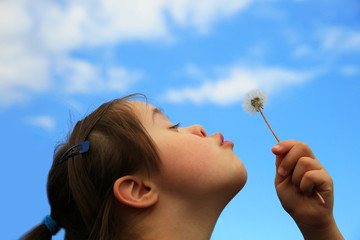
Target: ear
{"x":134,"y":191}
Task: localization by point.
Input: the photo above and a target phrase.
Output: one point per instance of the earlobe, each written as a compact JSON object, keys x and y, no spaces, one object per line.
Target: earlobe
{"x":135,"y":192}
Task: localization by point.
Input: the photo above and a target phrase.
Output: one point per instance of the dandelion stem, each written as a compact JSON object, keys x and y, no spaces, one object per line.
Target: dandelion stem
{"x":268,"y":125}
{"x":320,"y":197}
{"x":316,"y":192}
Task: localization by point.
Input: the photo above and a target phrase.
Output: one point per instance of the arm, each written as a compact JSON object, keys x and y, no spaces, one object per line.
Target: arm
{"x":298,"y":175}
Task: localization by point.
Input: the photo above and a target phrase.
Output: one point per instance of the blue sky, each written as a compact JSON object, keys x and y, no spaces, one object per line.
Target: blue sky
{"x":59,"y":60}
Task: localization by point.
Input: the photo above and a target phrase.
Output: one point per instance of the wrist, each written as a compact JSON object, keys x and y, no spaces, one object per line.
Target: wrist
{"x":328,"y":232}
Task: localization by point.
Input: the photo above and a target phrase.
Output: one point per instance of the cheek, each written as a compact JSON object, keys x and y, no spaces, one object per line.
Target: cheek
{"x":199,"y":164}
{"x":182,"y":158}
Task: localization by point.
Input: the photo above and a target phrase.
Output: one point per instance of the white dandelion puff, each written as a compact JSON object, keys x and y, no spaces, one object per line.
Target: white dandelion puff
{"x":254,"y":101}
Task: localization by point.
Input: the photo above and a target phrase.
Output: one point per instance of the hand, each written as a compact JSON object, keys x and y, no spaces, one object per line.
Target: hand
{"x":298,"y":175}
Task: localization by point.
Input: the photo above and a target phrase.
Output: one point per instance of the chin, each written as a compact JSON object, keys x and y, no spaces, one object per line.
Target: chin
{"x":235,"y":184}
{"x":240,"y":174}
{"x":239,"y":181}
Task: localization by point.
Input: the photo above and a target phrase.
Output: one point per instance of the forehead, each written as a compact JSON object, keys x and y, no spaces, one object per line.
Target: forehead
{"x":147,"y":113}
{"x":140,"y":106}
{"x":143,"y":110}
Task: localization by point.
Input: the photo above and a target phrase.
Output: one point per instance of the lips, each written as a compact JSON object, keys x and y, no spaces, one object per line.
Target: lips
{"x":221,"y":138}
{"x":224,"y":143}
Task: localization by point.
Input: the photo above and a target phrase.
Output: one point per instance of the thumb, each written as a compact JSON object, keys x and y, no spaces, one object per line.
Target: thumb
{"x":279,"y":157}
{"x":279,"y":178}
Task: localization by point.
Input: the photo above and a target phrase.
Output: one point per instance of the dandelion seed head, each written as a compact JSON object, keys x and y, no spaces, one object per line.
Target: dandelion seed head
{"x":254,"y":101}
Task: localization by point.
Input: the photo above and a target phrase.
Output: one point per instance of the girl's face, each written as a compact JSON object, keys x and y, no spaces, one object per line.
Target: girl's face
{"x":193,"y":164}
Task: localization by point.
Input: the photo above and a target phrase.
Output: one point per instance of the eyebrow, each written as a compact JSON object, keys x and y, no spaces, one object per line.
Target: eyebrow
{"x":156,"y":111}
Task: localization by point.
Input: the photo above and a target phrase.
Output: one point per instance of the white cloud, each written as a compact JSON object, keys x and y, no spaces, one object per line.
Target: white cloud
{"x":94,"y":23}
{"x":202,"y":13}
{"x":120,"y":79}
{"x":340,"y":39}
{"x":22,"y":68}
{"x":349,"y":70}
{"x":237,"y":81}
{"x":301,"y":51}
{"x":79,"y":76}
{"x":194,"y":72}
{"x":22,"y":71}
{"x":35,"y":37}
{"x":84,"y":78}
{"x":45,"y":122}
{"x":15,"y":20}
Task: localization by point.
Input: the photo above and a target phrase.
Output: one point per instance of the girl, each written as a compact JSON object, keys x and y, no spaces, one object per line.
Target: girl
{"x":127,"y":172}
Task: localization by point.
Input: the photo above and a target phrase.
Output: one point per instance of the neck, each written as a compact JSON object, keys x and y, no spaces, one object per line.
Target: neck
{"x":177,"y":221}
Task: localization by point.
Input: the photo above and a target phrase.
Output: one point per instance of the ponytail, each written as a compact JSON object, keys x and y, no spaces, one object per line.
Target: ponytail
{"x":40,"y":232}
{"x":44,"y":231}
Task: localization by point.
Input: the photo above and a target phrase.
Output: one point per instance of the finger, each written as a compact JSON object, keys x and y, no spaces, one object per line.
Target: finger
{"x":283,"y":147}
{"x":288,"y":164}
{"x":280,"y":179}
{"x":278,"y":161}
{"x":316,"y":179}
{"x":303,"y":165}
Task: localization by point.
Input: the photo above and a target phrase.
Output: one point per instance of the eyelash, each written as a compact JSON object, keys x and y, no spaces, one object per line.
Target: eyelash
{"x":176,"y":126}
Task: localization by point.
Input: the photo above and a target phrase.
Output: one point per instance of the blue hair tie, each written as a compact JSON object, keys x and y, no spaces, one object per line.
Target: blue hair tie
{"x":51,"y":225}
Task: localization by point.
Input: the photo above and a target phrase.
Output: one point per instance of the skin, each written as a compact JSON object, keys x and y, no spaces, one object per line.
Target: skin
{"x":200,"y":174}
{"x":298,"y":174}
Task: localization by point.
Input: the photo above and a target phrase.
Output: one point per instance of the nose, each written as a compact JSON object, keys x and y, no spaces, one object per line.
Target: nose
{"x":197,"y":130}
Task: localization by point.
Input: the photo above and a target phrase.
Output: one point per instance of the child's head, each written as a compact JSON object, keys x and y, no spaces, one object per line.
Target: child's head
{"x":137,"y":160}
{"x":192,"y":162}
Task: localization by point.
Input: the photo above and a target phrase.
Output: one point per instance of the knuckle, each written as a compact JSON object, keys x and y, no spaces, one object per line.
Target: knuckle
{"x":305,"y":162}
{"x":309,"y":176}
{"x":302,"y":145}
{"x":328,"y":178}
{"x":291,"y":142}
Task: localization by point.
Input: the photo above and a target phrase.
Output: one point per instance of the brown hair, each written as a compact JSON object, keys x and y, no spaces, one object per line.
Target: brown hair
{"x":80,"y":190}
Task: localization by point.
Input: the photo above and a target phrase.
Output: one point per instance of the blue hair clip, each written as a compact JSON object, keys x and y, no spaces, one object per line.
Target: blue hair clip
{"x":66,"y":155}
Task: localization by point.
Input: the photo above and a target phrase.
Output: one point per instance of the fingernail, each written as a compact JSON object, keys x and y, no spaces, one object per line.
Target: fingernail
{"x":282,"y":171}
{"x":276,"y":147}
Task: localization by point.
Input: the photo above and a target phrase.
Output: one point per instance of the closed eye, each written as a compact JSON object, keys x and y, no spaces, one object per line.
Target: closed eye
{"x":176,"y":126}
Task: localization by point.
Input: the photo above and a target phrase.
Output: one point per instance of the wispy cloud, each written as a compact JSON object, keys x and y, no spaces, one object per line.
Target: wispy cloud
{"x":301,"y":51}
{"x":349,"y":70}
{"x":340,"y":39}
{"x":237,"y":81}
{"x":202,"y":13}
{"x":44,"y":122}
{"x":35,"y":37}
{"x":82,"y":77}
